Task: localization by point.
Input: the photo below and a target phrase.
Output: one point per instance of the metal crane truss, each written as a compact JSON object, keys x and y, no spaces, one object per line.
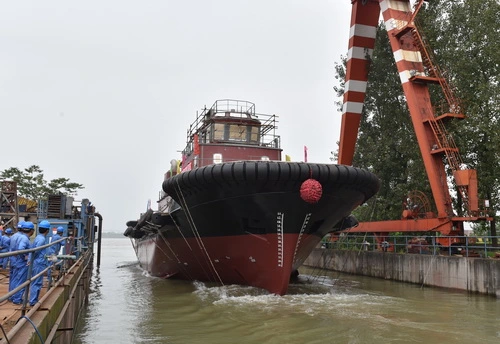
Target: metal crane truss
{"x":416,"y":71}
{"x":9,"y":211}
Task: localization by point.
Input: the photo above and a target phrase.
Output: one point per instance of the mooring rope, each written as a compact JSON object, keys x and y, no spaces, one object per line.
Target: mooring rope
{"x":429,"y":268}
{"x":188,"y":245}
{"x":364,"y":239}
{"x":179,"y":230}
{"x":162,"y":251}
{"x":173,"y":252}
{"x":196,"y":232}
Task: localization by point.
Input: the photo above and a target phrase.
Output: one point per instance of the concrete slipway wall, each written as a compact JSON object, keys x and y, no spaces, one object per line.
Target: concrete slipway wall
{"x":476,"y":275}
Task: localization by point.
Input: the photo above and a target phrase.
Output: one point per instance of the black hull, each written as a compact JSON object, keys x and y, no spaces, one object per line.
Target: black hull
{"x":246,"y":222}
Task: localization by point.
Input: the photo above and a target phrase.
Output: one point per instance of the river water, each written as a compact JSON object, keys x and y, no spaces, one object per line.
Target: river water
{"x":128,"y":306}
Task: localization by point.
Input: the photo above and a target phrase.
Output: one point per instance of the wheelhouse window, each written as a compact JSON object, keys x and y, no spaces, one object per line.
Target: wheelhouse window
{"x":218,"y":131}
{"x":254,"y":134}
{"x":237,"y":132}
{"x":234,"y":132}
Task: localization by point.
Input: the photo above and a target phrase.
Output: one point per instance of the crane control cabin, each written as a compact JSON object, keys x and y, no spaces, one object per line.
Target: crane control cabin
{"x":438,"y":150}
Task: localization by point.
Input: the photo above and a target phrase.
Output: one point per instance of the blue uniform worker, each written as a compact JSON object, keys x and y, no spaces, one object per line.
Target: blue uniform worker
{"x":1,"y":245}
{"x":57,"y":247}
{"x":40,"y":261}
{"x":5,"y":244}
{"x":21,"y":262}
{"x":14,"y":239}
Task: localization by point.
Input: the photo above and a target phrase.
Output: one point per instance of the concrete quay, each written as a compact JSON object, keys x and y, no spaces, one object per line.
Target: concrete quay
{"x":475,"y":275}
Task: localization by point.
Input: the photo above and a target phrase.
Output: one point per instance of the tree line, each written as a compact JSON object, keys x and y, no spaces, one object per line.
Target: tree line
{"x":31,"y":183}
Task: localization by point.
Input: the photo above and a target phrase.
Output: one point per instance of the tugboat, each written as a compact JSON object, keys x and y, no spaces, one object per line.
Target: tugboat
{"x":231,"y":212}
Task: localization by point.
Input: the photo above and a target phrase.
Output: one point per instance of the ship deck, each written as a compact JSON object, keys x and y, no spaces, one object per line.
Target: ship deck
{"x":9,"y":312}
{"x":54,"y":316}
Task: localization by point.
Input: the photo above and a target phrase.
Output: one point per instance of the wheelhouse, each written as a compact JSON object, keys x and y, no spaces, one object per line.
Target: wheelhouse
{"x":230,"y":130}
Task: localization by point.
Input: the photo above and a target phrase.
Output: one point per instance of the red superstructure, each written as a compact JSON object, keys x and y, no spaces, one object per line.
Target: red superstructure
{"x":231,"y":130}
{"x":436,"y":145}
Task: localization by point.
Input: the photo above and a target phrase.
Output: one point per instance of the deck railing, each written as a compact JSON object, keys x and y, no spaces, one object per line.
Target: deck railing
{"x":72,"y":250}
{"x":469,"y":246}
{"x":236,"y":109}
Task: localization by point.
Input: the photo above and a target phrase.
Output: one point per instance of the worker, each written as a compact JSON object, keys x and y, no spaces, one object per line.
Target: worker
{"x":54,"y":250}
{"x":40,"y":261}
{"x":14,"y":239}
{"x":57,"y":247}
{"x":21,"y":261}
{"x":385,"y":245}
{"x":1,"y":246}
{"x":5,"y":247}
{"x":15,"y":236}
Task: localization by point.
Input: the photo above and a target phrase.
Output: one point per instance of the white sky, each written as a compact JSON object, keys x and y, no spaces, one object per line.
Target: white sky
{"x":102,"y":92}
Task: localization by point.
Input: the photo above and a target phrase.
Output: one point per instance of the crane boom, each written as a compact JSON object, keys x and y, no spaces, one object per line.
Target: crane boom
{"x":416,"y":71}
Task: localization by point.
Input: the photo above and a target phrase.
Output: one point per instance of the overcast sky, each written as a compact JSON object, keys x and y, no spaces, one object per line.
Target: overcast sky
{"x":102,"y":92}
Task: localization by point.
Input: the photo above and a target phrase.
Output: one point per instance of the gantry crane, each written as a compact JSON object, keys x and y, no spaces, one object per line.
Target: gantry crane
{"x":416,"y":70}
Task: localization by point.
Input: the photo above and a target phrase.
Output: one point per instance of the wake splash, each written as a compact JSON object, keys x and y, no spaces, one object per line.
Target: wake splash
{"x":307,"y":296}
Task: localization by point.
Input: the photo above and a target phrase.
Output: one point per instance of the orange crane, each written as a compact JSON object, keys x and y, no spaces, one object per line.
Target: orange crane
{"x":416,"y":71}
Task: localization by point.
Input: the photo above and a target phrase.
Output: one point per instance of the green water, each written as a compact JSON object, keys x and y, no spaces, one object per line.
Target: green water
{"x":127,"y":306}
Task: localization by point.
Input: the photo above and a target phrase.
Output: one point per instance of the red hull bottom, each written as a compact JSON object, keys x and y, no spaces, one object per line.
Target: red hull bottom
{"x":263,"y":261}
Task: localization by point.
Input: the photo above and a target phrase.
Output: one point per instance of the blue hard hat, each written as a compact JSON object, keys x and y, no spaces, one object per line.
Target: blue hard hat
{"x":28,"y":225}
{"x":60,"y":229}
{"x":20,"y":224}
{"x":44,"y":224}
{"x":8,"y":231}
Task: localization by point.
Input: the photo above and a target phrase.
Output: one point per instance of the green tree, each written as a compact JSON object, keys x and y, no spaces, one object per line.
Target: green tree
{"x":465,"y":36}
{"x":32,"y":184}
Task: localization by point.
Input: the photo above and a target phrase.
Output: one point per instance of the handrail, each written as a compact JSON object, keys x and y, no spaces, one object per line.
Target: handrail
{"x":85,"y":258}
{"x":466,"y":246}
{"x":26,"y":284}
{"x":233,"y":108}
{"x":29,"y":250}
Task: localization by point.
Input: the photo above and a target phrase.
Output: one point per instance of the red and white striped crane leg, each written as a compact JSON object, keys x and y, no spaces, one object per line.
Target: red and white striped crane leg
{"x":364,"y":18}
